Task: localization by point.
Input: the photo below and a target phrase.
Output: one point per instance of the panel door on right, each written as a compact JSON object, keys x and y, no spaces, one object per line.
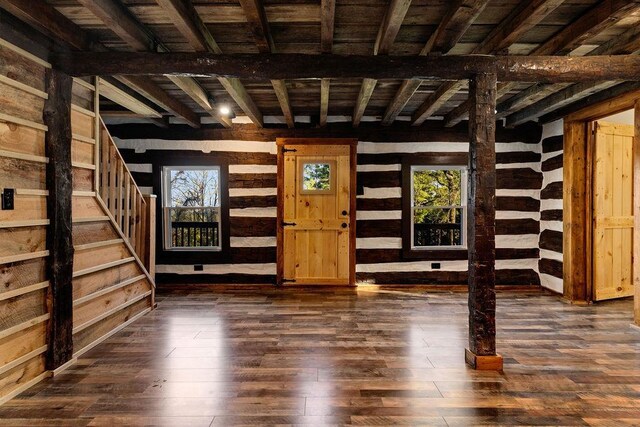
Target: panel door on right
{"x":613,"y":211}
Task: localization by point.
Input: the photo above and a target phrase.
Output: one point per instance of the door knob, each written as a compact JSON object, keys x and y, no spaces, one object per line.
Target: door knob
{"x":344,"y":213}
{"x":344,"y":225}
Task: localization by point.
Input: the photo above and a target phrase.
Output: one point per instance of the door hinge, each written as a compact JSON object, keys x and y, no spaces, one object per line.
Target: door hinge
{"x":288,"y":281}
{"x":288,"y":150}
{"x":285,"y":224}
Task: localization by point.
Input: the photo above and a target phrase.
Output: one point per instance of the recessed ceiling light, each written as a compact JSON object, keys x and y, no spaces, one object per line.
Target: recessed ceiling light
{"x":224,"y":110}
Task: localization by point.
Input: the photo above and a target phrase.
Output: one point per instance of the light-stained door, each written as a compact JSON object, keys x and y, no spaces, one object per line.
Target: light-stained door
{"x":316,"y":217}
{"x":613,"y":211}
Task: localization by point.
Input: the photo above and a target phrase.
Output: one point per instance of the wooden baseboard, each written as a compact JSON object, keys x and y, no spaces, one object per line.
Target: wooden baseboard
{"x":483,"y":363}
{"x":63,"y":368}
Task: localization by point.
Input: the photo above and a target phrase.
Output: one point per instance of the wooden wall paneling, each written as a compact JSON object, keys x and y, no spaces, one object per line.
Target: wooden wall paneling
{"x":636,"y":204}
{"x":481,"y":353}
{"x":89,"y":284}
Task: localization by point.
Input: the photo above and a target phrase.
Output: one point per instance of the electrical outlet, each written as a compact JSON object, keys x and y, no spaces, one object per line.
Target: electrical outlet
{"x":198,"y":267}
{"x":7,"y":199}
{"x":435,"y":266}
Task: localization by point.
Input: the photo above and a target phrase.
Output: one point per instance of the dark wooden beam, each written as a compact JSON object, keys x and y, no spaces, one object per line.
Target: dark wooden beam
{"x":557,"y":100}
{"x":390,"y":26}
{"x":119,"y":20}
{"x":327,"y":23}
{"x":58,"y":138}
{"x":481,"y":229}
{"x":58,"y":27}
{"x":257,"y":20}
{"x":186,"y":19}
{"x":386,"y":35}
{"x":450,"y":30}
{"x":521,"y":19}
{"x":50,"y":22}
{"x":260,"y":67}
{"x":324,"y":101}
{"x":455,"y":23}
{"x":258,"y":24}
{"x":596,"y":98}
{"x":436,"y":100}
{"x":598,"y":18}
{"x":151,"y":90}
{"x":366,"y":90}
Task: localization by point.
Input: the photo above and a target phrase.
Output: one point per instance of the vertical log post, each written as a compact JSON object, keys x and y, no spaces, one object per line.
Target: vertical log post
{"x":636,"y":213}
{"x":57,"y":117}
{"x":481,"y":353}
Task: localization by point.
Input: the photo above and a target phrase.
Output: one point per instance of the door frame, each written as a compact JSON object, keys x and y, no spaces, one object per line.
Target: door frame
{"x":577,"y":196}
{"x":353,"y":144}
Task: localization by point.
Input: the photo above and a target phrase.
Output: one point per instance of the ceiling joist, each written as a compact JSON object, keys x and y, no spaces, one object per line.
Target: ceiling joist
{"x":450,"y":30}
{"x":188,"y":22}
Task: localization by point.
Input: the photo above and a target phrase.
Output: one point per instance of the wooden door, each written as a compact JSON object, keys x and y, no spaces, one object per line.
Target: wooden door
{"x":316,"y":212}
{"x":612,"y":211}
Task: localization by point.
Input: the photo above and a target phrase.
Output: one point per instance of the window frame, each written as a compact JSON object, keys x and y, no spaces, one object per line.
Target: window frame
{"x":166,"y":208}
{"x":161,"y":158}
{"x":444,"y":161}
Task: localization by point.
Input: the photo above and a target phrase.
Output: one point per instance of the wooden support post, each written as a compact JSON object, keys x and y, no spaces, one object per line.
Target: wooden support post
{"x":57,"y":117}
{"x":636,"y":213}
{"x":481,"y":353}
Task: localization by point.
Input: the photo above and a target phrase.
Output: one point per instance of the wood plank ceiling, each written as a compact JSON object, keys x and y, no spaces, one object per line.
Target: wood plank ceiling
{"x":371,"y":27}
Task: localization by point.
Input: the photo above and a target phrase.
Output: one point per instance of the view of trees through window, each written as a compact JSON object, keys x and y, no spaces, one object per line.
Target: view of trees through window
{"x":437,"y":207}
{"x":194,"y":207}
{"x":316,"y":176}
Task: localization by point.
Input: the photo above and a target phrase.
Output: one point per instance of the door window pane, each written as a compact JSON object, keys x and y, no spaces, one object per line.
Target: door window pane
{"x":316,"y":176}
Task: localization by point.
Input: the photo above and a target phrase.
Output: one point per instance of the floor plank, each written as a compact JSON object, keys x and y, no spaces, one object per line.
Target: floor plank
{"x":365,"y":356}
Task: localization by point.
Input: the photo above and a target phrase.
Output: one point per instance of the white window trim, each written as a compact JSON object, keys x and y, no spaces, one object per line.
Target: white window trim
{"x":462,"y":206}
{"x":166,"y":207}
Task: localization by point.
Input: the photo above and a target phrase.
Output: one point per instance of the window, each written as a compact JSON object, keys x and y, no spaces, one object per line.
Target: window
{"x":191,"y":207}
{"x":317,"y":177}
{"x":438,"y":206}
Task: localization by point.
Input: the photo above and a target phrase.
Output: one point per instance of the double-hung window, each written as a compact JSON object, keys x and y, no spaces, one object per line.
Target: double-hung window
{"x":438,"y":207}
{"x":191,"y":207}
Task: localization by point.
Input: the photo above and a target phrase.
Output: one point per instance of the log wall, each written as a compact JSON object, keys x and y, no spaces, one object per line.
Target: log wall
{"x":550,"y":265}
{"x":252,"y":203}
{"x":23,"y":253}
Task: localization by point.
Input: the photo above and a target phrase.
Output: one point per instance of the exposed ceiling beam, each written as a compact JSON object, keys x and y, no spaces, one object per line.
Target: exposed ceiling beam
{"x":186,"y":19}
{"x":596,"y":98}
{"x":126,"y":100}
{"x":627,"y":43}
{"x":46,"y":19}
{"x":257,"y":20}
{"x":390,"y":26}
{"x":387,"y":34}
{"x":522,"y":18}
{"x":555,"y":101}
{"x":260,"y":67}
{"x":118,"y":114}
{"x":324,"y":101}
{"x":366,"y":90}
{"x":450,"y":30}
{"x":119,"y":20}
{"x":436,"y":100}
{"x":594,"y":21}
{"x":327,"y":23}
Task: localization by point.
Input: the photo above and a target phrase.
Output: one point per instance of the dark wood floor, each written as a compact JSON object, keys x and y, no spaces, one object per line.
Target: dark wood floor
{"x":332,"y":357}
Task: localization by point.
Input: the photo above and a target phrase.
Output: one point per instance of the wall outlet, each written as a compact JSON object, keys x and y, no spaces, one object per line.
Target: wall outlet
{"x":198,"y":267}
{"x":7,"y":199}
{"x":435,"y":266}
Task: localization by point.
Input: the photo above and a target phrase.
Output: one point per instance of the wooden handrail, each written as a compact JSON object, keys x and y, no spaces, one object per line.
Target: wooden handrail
{"x":121,"y":195}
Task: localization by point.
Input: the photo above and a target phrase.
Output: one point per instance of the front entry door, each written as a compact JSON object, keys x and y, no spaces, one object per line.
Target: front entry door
{"x":316,"y":211}
{"x":613,"y":211}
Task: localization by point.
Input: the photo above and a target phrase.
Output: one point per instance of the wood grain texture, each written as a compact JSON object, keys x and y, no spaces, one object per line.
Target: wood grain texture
{"x":386,"y":355}
{"x":58,"y":140}
{"x":481,"y":216}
